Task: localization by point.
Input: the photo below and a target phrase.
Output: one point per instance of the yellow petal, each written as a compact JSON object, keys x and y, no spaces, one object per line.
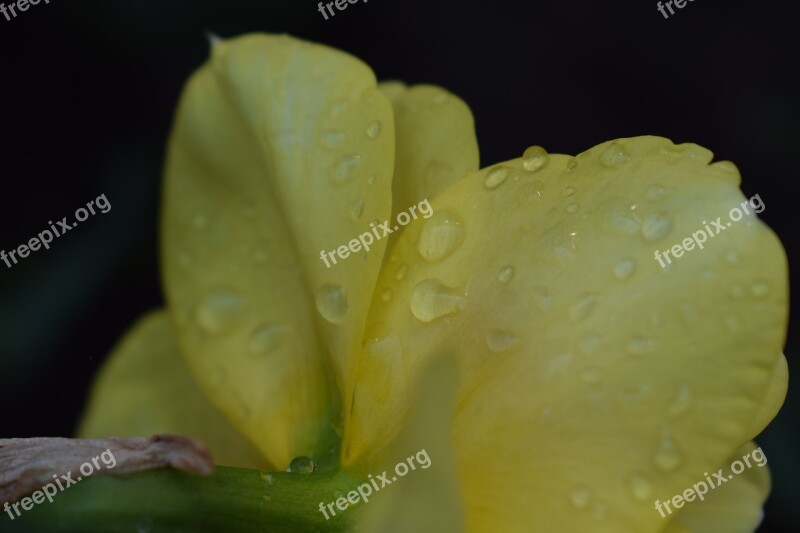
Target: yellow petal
{"x":436,"y":143}
{"x":427,"y":498}
{"x":773,"y":398}
{"x":734,"y":507}
{"x":144,"y":388}
{"x":272,"y":137}
{"x":590,"y":377}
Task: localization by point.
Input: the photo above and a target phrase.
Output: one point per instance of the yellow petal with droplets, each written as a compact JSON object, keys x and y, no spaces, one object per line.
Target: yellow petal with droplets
{"x":271,"y":160}
{"x":732,"y":507}
{"x":591,"y":378}
{"x":144,"y":388}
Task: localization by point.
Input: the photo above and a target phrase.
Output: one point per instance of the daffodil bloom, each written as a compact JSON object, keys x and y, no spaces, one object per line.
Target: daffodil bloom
{"x":524,"y":335}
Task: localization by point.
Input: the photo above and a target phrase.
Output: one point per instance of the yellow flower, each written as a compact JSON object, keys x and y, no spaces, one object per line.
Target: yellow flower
{"x":586,"y":381}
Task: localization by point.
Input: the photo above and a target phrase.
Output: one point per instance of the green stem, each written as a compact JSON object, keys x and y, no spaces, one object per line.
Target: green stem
{"x":230,"y":500}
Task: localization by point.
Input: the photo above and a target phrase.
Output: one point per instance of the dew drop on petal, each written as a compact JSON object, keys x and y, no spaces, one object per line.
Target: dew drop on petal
{"x":219,"y":311}
{"x":501,"y":340}
{"x":759,"y":289}
{"x":572,"y":164}
{"x":682,"y":401}
{"x":614,"y":156}
{"x":345,"y":168}
{"x":668,"y":457}
{"x":624,"y":269}
{"x":534,"y":158}
{"x":331,"y":139}
{"x":640,"y":486}
{"x":431,"y":300}
{"x":440,"y":235}
{"x":357,"y":209}
{"x":580,"y":497}
{"x":374,"y":129}
{"x":331,"y":303}
{"x":656,"y":227}
{"x":302,"y":465}
{"x":506,"y":274}
{"x":496,"y":176}
{"x":402,"y":270}
{"x":265,"y":339}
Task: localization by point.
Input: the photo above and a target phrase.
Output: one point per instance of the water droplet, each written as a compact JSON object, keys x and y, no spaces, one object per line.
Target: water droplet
{"x":655,"y":227}
{"x":682,"y":401}
{"x":440,"y":235}
{"x":371,"y":179}
{"x":431,"y":300}
{"x":530,"y":192}
{"x":265,"y":339}
{"x":572,"y":164}
{"x":402,"y":270}
{"x":668,"y":457}
{"x":338,"y":108}
{"x":200,"y":221}
{"x":655,"y":192}
{"x":345,"y":168}
{"x":621,"y":220}
{"x":580,"y":497}
{"x":614,"y":156}
{"x":582,"y":307}
{"x":624,"y":269}
{"x":543,"y":299}
{"x":501,"y":340}
{"x":732,"y":257}
{"x":357,"y":209}
{"x":640,"y":486}
{"x":332,"y":138}
{"x":302,"y":465}
{"x":506,"y":274}
{"x":331,"y":303}
{"x":759,"y":289}
{"x":219,"y":311}
{"x":386,"y":295}
{"x":589,"y":344}
{"x":261,"y":251}
{"x":496,"y":176}
{"x":569,"y":190}
{"x":572,"y":208}
{"x":374,"y":129}
{"x":534,"y":158}
{"x":641,"y":344}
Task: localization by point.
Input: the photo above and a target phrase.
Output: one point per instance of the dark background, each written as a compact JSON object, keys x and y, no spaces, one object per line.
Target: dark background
{"x":89,"y":88}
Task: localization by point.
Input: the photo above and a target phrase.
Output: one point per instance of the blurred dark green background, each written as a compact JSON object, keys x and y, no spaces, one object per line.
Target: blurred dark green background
{"x":89,"y":88}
